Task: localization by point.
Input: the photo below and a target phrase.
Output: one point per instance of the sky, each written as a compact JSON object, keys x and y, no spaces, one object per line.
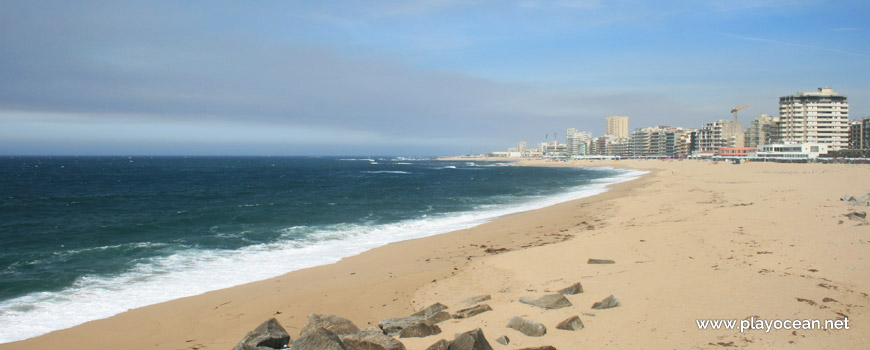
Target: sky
{"x":412,"y":77}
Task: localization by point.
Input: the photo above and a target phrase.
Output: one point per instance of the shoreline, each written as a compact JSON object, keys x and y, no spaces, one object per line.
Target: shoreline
{"x":682,"y":236}
{"x":251,"y":265}
{"x":613,"y":180}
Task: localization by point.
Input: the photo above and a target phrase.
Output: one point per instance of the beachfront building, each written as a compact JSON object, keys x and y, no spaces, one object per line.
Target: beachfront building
{"x":520,"y":148}
{"x":679,"y":142}
{"x":792,"y":151}
{"x":859,"y":134}
{"x":761,"y":131}
{"x":649,"y":142}
{"x":611,"y":146}
{"x":718,"y":134}
{"x":617,"y":126}
{"x":815,"y":117}
{"x":736,"y":152}
{"x":553,"y":149}
{"x":578,"y":143}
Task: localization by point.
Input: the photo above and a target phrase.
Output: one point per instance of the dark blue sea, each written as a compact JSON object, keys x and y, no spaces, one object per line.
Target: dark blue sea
{"x":83,"y":238}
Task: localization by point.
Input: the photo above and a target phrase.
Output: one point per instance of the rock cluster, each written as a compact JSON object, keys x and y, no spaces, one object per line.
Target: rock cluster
{"x":330,"y":332}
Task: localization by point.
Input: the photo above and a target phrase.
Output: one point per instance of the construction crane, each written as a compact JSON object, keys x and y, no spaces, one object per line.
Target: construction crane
{"x":735,"y":109}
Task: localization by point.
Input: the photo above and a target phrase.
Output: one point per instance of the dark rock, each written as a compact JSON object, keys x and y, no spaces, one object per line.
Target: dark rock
{"x":572,"y":324}
{"x":471,"y":340}
{"x":472,"y":311}
{"x":318,"y":339}
{"x":269,"y":334}
{"x":332,"y":323}
{"x":545,"y":347}
{"x":393,"y":326}
{"x":439,"y":317}
{"x":527,"y":327}
{"x":503,"y":340}
{"x":371,"y":338}
{"x":439,"y":345}
{"x":434,"y":313}
{"x":575,"y":288}
{"x":431,"y":310}
{"x":549,"y":301}
{"x":856,"y":215}
{"x":419,"y":330}
{"x":476,"y":299}
{"x":600,"y":261}
{"x":607,"y":303}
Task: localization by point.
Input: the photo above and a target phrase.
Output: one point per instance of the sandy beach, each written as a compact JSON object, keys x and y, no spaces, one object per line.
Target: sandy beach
{"x":690,"y":241}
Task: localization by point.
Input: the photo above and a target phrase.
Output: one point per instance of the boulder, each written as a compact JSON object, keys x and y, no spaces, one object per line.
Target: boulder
{"x":527,"y":327}
{"x":371,"y":338}
{"x":856,"y":215}
{"x":438,"y":317}
{"x":439,"y":345}
{"x":549,"y":301}
{"x":393,"y":326}
{"x":862,"y":201}
{"x":419,"y":330}
{"x":600,"y":261}
{"x":471,"y":340}
{"x":503,"y":340}
{"x":476,"y":299}
{"x":575,"y":288}
{"x":332,"y":323}
{"x":318,"y":339}
{"x":472,"y":311}
{"x":269,"y":334}
{"x":571,"y":324}
{"x":433,"y":313}
{"x":847,"y":197}
{"x":430,"y":310}
{"x":607,"y":303}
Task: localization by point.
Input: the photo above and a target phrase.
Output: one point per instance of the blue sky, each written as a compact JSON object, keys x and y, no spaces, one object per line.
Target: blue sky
{"x":402,"y":77}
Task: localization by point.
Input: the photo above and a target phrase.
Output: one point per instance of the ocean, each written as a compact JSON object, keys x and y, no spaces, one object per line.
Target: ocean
{"x":85,"y":238}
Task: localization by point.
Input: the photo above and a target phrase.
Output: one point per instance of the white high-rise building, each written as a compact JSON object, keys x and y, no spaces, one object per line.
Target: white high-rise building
{"x":578,"y":142}
{"x":722,"y":133}
{"x":815,"y":117}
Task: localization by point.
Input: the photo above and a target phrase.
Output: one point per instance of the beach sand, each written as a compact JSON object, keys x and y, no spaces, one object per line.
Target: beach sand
{"x":690,"y":240}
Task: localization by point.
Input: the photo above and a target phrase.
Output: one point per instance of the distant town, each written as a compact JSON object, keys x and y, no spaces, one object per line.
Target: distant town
{"x":809,"y":125}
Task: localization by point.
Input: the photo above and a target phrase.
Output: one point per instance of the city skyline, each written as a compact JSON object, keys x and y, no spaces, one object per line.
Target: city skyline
{"x":818,"y":121}
{"x":414,"y":77}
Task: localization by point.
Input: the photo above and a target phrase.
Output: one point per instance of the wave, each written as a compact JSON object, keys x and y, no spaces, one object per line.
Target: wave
{"x":191,"y":271}
{"x":386,"y":172}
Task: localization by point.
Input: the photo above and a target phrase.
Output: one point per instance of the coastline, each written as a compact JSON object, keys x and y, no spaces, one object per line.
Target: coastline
{"x":663,"y":274}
